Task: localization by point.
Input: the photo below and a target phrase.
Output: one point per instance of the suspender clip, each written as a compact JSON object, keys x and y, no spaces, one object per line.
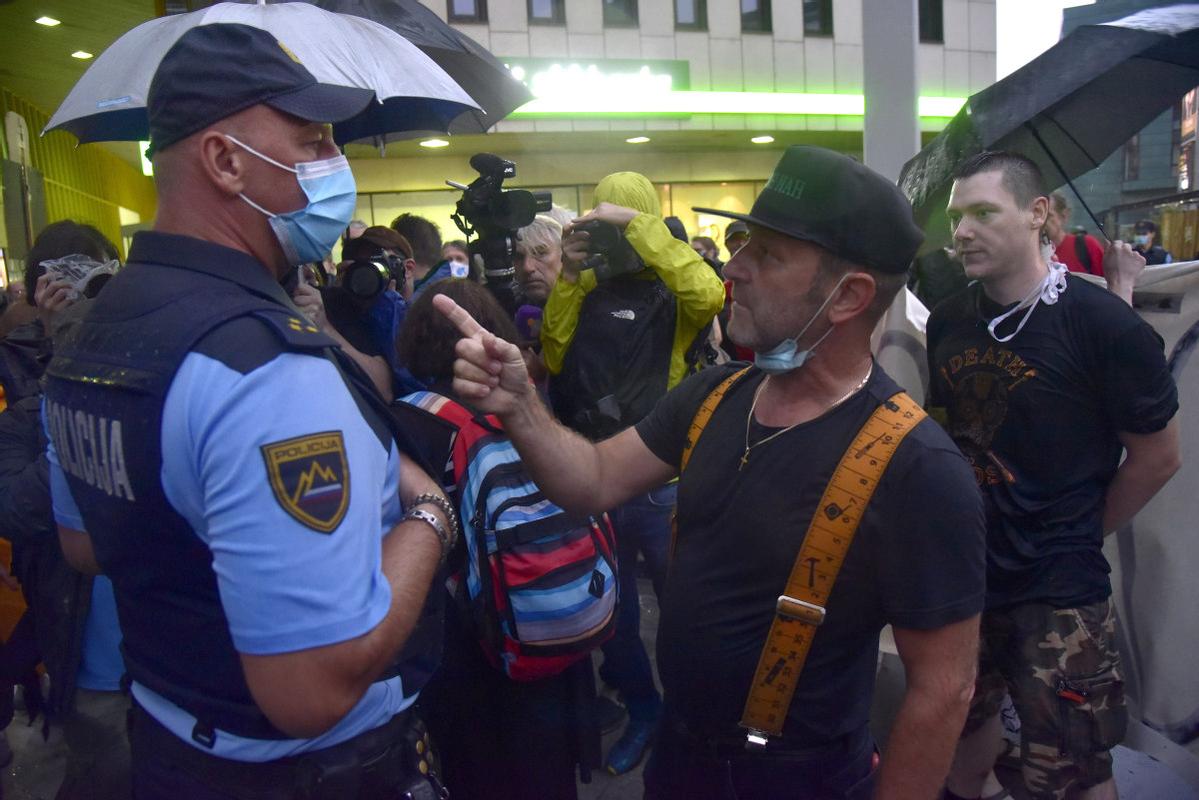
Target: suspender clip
{"x":756,"y":740}
{"x":794,"y":608}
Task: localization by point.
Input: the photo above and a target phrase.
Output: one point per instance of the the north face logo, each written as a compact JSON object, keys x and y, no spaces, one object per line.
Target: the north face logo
{"x":625,"y":313}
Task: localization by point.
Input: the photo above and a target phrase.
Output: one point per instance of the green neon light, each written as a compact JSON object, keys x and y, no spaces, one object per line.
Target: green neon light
{"x":680,"y":103}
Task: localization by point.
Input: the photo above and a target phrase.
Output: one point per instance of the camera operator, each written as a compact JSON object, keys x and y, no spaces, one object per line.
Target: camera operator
{"x":363,"y":313}
{"x":613,"y":345}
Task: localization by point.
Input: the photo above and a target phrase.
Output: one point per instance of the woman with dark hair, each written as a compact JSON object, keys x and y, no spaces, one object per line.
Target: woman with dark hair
{"x":498,"y":738}
{"x":427,"y":340}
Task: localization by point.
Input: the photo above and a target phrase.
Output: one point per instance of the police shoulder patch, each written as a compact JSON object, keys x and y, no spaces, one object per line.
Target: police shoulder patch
{"x":311,"y":478}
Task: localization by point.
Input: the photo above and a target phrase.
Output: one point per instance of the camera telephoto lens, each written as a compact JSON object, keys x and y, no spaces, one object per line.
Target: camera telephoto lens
{"x":365,"y":280}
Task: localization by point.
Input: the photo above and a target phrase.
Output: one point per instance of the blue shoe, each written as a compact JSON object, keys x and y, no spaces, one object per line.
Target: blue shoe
{"x":631,"y":747}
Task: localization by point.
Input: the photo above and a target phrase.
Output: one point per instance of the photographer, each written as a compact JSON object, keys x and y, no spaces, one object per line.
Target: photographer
{"x":613,"y":347}
{"x":363,"y":313}
{"x":25,"y":350}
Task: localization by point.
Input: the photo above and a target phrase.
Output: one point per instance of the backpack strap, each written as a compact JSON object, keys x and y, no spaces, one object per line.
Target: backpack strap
{"x":801,"y":608}
{"x":1084,"y":255}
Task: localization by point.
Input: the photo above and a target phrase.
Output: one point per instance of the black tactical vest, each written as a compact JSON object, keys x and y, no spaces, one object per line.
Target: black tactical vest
{"x":104,"y":403}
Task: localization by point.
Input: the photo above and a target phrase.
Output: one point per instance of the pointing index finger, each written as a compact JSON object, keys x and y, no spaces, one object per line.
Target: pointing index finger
{"x":458,"y":315}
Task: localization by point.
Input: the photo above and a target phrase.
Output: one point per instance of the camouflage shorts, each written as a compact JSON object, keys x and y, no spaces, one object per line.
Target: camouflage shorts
{"x":1063,"y":671}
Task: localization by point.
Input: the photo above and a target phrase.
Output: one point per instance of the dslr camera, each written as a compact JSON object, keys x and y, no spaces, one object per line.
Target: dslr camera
{"x":366,"y":278}
{"x":490,"y":217}
{"x":610,"y":254}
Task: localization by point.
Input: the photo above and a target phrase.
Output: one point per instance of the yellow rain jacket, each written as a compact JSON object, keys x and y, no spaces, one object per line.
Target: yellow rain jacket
{"x":698,"y":291}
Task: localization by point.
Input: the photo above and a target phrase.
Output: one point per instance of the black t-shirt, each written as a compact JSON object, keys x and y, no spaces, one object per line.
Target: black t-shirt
{"x":917,"y":560}
{"x":1037,"y":418}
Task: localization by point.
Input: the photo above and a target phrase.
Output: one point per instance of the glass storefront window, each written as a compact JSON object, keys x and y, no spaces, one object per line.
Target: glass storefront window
{"x":676,"y":199}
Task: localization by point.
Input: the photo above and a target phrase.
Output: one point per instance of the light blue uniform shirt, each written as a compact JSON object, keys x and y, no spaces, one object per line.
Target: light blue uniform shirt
{"x":283,"y":585}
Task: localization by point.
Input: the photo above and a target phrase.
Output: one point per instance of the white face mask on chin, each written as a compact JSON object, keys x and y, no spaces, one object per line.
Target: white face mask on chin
{"x":1047,"y":291}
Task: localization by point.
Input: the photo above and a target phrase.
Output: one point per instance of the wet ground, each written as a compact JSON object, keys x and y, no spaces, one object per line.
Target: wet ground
{"x":1163,"y":771}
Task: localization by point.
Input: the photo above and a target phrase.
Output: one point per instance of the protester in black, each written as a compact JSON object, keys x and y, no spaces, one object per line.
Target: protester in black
{"x":830,"y":246}
{"x":1045,"y":381}
{"x":913,"y":562}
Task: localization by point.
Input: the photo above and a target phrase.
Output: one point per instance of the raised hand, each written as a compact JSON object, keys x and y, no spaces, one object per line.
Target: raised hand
{"x":1121,"y":267}
{"x":489,"y":372}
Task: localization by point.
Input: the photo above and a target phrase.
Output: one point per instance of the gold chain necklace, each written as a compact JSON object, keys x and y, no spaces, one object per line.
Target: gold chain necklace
{"x":753,"y":406}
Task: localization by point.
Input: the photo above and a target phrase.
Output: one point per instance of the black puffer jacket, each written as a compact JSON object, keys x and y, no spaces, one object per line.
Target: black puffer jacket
{"x":58,"y":596}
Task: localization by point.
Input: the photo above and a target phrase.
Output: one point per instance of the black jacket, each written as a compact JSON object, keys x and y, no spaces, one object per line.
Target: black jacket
{"x":24,"y":354}
{"x":58,"y":597}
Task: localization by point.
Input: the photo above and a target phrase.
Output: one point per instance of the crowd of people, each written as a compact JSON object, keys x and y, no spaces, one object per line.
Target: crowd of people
{"x":294,"y":528}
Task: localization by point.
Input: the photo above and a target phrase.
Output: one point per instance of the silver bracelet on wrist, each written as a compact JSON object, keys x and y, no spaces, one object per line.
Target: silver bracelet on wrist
{"x":446,"y":508}
{"x":420,"y":515}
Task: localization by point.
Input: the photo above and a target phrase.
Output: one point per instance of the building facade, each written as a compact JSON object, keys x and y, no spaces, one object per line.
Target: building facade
{"x":1155,"y":164}
{"x":699,"y":95}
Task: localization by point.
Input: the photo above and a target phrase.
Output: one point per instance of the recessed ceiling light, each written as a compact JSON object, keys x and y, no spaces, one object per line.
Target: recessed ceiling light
{"x":434,"y":143}
{"x":762,"y":139}
{"x":49,"y":22}
{"x":83,"y":55}
{"x":638,"y":140}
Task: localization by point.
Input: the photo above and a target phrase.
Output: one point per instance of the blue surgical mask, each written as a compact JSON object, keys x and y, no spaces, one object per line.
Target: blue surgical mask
{"x":1141,"y":239}
{"x":308,"y":234}
{"x":786,"y":355}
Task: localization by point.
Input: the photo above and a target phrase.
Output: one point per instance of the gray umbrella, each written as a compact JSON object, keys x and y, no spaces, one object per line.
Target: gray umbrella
{"x":1068,"y":109}
{"x":109,"y":102}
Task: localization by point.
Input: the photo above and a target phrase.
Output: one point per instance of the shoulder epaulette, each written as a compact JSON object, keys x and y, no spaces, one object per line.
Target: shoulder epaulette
{"x":294,"y":329}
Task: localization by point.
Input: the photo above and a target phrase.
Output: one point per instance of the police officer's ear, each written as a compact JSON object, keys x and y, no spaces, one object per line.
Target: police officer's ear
{"x":223,"y":162}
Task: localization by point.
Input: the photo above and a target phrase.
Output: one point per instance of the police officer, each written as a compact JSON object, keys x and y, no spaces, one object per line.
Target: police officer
{"x":269,"y":544}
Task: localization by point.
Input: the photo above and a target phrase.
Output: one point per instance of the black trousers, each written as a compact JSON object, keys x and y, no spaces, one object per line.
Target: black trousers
{"x":498,"y":739}
{"x":684,"y":767}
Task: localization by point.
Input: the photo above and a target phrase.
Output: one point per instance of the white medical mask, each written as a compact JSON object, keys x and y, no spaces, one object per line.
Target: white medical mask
{"x":786,"y":355}
{"x":1047,"y":291}
{"x":308,"y":234}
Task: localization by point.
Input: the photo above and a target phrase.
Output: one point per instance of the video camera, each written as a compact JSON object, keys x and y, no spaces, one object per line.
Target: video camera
{"x":494,"y":215}
{"x":611,"y":255}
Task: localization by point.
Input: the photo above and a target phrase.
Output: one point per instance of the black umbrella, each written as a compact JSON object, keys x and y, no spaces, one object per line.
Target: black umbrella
{"x":1068,"y":109}
{"x":477,"y":71}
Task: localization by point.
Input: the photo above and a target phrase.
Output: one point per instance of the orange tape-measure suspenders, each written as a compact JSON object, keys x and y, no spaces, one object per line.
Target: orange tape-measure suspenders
{"x":801,"y":608}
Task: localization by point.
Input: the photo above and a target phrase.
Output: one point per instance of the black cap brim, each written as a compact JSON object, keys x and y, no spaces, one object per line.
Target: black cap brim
{"x":752,"y":220}
{"x":323,"y":102}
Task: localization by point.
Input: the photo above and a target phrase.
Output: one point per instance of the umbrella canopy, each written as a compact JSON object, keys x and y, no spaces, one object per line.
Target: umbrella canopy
{"x":1068,"y":109}
{"x":476,"y":70}
{"x":109,"y":101}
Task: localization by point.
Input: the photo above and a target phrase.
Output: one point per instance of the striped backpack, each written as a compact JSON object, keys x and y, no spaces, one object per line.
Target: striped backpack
{"x":539,"y":583}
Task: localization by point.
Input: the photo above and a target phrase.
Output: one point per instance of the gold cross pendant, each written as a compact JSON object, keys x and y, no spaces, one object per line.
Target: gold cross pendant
{"x":744,"y":461}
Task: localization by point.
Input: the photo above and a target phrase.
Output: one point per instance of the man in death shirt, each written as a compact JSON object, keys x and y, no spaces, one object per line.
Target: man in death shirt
{"x":1045,"y":381}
